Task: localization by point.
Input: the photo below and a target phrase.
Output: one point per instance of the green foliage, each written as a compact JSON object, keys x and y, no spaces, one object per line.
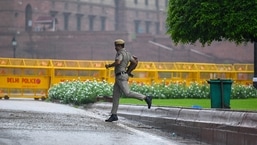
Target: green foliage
{"x":82,"y":92}
{"x":79,"y":92}
{"x":243,"y":92}
{"x":172,"y":90}
{"x":207,"y":21}
{"x":196,"y":90}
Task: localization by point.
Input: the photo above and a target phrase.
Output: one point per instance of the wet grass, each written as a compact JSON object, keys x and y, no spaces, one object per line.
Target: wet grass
{"x":235,"y":104}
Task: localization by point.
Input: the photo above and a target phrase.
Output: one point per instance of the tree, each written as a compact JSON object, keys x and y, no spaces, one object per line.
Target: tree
{"x":205,"y":21}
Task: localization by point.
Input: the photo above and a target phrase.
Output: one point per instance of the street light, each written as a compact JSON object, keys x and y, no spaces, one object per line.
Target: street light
{"x":14,"y":44}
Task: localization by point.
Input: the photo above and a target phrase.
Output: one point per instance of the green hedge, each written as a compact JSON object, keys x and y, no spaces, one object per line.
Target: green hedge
{"x":79,"y":92}
{"x":83,"y":92}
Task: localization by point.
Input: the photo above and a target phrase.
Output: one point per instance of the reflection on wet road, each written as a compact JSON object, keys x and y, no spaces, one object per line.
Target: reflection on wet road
{"x":27,"y":122}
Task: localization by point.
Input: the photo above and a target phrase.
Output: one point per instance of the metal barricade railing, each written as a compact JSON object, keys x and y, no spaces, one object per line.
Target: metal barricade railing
{"x":31,"y":78}
{"x":76,"y":69}
{"x":225,"y":71}
{"x":167,"y":71}
{"x":188,"y":72}
{"x":244,"y":73}
{"x":144,"y":73}
{"x":28,"y":78}
{"x":209,"y":71}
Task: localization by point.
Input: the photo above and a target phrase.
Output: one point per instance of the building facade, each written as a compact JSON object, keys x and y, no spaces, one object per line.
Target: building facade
{"x":85,"y":29}
{"x":132,"y":16}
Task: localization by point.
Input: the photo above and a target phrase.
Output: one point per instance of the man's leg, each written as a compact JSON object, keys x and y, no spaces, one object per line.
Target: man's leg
{"x":115,"y":103}
{"x":127,"y":92}
{"x":116,"y":98}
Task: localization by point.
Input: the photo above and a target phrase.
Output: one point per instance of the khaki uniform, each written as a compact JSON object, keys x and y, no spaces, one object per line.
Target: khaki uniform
{"x":121,"y":81}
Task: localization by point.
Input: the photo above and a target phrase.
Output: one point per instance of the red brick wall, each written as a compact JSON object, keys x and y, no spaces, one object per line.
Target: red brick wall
{"x":99,"y":45}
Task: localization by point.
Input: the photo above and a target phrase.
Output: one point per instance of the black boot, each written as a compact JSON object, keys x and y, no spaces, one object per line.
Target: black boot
{"x":112,"y":118}
{"x":148,"y":100}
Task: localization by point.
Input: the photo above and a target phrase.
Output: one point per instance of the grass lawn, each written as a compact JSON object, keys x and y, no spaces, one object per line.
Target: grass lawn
{"x":235,"y":104}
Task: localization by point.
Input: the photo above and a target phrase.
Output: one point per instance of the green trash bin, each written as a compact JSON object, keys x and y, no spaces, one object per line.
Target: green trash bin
{"x":220,"y":91}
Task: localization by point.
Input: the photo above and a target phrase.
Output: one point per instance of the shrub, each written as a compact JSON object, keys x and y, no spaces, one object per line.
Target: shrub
{"x":196,"y":90}
{"x":82,"y":92}
{"x":243,"y":92}
{"x":79,"y":92}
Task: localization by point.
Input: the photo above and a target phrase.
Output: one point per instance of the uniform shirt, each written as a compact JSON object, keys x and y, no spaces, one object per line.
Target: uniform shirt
{"x":125,"y":58}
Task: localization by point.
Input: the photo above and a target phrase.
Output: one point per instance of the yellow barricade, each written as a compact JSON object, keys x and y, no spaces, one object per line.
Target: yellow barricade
{"x":167,"y":72}
{"x":244,"y":73}
{"x":225,"y":71}
{"x":187,"y":71}
{"x":24,"y":78}
{"x":67,"y":70}
{"x":31,"y":78}
{"x":170,"y":72}
{"x":209,"y":71}
{"x":144,"y":73}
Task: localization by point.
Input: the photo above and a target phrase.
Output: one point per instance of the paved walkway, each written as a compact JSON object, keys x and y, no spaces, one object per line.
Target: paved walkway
{"x":29,"y":122}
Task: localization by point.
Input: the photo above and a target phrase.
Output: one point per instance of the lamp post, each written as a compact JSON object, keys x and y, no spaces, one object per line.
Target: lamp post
{"x":255,"y":66}
{"x":14,"y":44}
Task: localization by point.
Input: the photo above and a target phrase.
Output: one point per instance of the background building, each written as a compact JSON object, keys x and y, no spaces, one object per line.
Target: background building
{"x":86,"y":29}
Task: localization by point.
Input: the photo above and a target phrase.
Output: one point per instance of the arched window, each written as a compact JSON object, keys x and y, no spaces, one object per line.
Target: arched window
{"x":28,"y":18}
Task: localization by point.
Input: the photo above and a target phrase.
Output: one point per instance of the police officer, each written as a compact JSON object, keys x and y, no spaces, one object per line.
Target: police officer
{"x":122,"y":60}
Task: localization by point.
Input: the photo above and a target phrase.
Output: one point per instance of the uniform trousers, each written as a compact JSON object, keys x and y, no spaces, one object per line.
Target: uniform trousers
{"x":121,"y":86}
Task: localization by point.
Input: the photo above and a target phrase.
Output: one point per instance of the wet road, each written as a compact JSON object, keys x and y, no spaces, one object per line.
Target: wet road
{"x":29,"y":122}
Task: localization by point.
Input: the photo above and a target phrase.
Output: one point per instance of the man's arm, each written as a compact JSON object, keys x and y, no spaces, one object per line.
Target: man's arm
{"x":116,"y":62}
{"x":132,"y":66}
